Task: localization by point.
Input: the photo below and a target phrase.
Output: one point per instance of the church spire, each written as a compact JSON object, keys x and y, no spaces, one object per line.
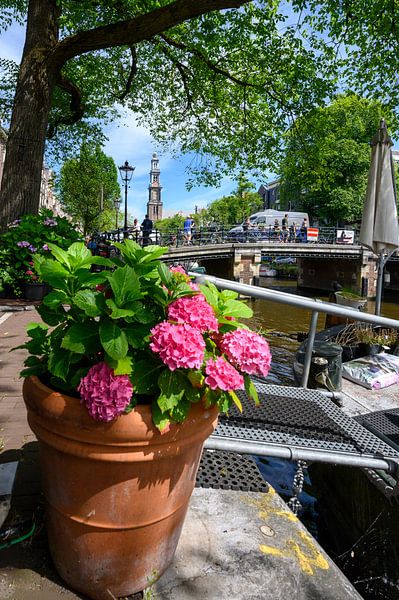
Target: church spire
{"x":154,"y":205}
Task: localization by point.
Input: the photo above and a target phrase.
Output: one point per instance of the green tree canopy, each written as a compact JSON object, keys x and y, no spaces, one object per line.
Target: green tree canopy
{"x":87,"y":186}
{"x":220,"y":78}
{"x":327,"y":158}
{"x":241,"y":203}
{"x":213,"y":77}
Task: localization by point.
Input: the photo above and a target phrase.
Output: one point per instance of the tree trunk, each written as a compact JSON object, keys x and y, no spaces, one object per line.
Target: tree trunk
{"x":21,"y":181}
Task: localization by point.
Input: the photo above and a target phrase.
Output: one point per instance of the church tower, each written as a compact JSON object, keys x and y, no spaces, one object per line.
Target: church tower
{"x":154,"y":205}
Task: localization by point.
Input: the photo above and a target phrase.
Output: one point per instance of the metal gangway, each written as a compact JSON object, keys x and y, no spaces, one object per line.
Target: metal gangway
{"x":297,"y":423}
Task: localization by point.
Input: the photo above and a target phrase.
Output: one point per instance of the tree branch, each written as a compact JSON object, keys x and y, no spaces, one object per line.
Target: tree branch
{"x":140,"y":28}
{"x":183,"y":70}
{"x":132,"y":73}
{"x":76,"y":106}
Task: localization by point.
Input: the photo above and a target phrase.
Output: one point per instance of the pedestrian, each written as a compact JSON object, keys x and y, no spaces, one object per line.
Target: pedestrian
{"x":276,"y":230}
{"x":146,"y":227}
{"x":136,"y":230}
{"x":304,"y":230}
{"x":187,"y":227}
{"x":284,"y":228}
{"x":247,"y":224}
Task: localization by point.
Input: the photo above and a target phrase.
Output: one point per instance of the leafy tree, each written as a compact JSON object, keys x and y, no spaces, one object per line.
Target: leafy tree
{"x":210,"y":79}
{"x":235,"y":73}
{"x":234,"y":208}
{"x":87,"y":187}
{"x":171,"y":223}
{"x":327,"y":158}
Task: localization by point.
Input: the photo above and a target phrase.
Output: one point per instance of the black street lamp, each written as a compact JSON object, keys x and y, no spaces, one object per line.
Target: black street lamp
{"x":117,"y":204}
{"x":126,"y":172}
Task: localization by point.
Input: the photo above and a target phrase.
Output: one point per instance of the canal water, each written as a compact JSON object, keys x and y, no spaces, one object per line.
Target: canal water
{"x":281,"y":325}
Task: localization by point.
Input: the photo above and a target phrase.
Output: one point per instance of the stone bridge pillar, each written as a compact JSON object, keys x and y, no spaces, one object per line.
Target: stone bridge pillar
{"x":369,"y":273}
{"x":246,"y":265}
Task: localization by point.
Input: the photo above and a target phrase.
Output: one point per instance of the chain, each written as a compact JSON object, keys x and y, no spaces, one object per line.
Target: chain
{"x":297,"y":486}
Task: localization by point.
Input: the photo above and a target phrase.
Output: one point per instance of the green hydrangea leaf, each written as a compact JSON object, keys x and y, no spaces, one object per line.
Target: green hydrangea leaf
{"x":161,"y":421}
{"x":125,"y":285}
{"x":180,"y":412}
{"x":113,"y":339}
{"x":136,"y":335}
{"x":86,"y":300}
{"x":236,"y":400}
{"x":55,"y":298}
{"x":236,"y":308}
{"x":224,"y":402}
{"x":251,"y":390}
{"x":59,"y":363}
{"x":144,"y":376}
{"x":211,"y":294}
{"x":51,"y":316}
{"x":82,"y":338}
{"x":172,"y":386}
{"x":55,"y":274}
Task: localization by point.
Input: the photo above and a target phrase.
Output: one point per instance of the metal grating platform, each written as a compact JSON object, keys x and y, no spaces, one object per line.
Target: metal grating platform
{"x":303,"y":421}
{"x":227,"y":471}
{"x":383,"y":423}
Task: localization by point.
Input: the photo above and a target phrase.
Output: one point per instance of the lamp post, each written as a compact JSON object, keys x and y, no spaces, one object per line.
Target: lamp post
{"x":126,"y":172}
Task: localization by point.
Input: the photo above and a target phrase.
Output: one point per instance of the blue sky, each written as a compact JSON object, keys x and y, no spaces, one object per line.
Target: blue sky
{"x":127,"y":141}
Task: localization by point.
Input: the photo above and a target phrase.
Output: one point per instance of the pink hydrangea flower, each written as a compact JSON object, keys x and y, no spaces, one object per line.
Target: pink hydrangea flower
{"x":222,"y":375}
{"x":178,"y":269}
{"x":195,"y":311}
{"x":105,"y":395}
{"x":178,"y":346}
{"x":247,"y":350}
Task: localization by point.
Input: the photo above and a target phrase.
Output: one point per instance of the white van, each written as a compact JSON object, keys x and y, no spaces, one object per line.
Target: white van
{"x":266,"y":219}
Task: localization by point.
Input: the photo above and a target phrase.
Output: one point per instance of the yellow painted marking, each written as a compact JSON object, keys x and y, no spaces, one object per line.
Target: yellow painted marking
{"x":301,"y":548}
{"x":271,"y":550}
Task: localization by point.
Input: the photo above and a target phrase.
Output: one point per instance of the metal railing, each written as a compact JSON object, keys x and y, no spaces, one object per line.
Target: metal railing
{"x":215,"y":234}
{"x":233,"y":442}
{"x":316,"y":306}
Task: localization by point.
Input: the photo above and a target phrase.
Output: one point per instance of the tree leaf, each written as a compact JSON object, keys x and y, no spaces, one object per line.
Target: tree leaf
{"x":113,"y":339}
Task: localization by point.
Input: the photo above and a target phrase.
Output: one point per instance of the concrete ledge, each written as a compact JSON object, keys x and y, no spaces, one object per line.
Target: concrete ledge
{"x":246,"y":545}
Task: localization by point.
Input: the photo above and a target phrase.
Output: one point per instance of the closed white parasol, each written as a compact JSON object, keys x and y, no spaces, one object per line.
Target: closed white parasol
{"x":380,"y":228}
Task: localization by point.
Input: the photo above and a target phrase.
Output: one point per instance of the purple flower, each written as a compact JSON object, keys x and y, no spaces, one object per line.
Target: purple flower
{"x":50,"y":222}
{"x":45,"y":247}
{"x":23,"y":244}
{"x":32,"y":249}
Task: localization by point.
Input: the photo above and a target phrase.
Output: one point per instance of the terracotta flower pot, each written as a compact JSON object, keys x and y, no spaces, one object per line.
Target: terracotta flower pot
{"x":116,"y":493}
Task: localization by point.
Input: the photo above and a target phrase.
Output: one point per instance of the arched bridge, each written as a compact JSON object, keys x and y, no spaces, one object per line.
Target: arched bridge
{"x":318,"y":264}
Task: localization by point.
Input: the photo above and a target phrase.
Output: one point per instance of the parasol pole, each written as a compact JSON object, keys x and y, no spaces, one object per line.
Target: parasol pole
{"x":380,"y":273}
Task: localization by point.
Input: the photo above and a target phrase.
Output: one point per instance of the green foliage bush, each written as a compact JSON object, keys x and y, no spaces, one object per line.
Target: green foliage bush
{"x":26,"y":238}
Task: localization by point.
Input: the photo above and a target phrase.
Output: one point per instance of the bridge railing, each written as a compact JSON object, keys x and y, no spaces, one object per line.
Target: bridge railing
{"x":316,"y":307}
{"x":215,"y":234}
